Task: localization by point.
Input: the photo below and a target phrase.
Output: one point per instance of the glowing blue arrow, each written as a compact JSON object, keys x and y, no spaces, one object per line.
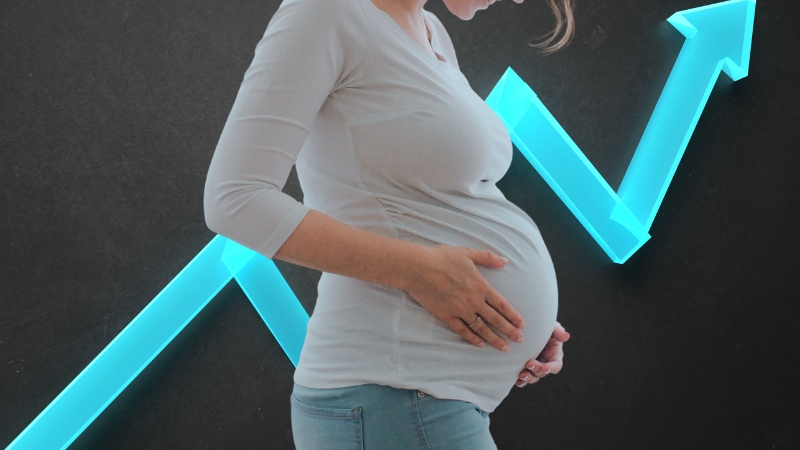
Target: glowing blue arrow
{"x":718,"y":38}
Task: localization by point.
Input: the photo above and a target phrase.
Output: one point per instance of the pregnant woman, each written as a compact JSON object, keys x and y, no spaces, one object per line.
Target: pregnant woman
{"x":424,"y":260}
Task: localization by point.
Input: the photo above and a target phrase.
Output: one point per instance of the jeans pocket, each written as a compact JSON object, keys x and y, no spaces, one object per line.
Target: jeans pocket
{"x":323,"y":427}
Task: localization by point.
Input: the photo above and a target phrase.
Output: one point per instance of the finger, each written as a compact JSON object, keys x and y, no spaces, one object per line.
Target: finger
{"x":527,"y":376}
{"x":485,"y":258}
{"x":533,"y":364}
{"x":510,"y":320}
{"x":540,"y":371}
{"x":489,"y":336}
{"x":466,"y":332}
{"x":548,"y":368}
{"x":490,"y":315}
{"x":555,"y":365}
{"x":560,"y":334}
{"x":521,"y":383}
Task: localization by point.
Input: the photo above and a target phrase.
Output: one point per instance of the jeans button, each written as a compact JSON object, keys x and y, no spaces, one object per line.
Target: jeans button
{"x":420,"y":394}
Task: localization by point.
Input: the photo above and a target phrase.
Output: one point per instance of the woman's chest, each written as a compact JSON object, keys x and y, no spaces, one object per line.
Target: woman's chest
{"x":411,"y":126}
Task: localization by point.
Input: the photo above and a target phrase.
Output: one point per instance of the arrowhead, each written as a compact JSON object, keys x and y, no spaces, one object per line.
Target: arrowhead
{"x":727,"y":28}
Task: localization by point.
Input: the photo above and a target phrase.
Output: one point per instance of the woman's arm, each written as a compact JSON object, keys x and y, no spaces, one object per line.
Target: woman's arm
{"x":442,"y":279}
{"x":310,"y":49}
{"x":323,"y":243}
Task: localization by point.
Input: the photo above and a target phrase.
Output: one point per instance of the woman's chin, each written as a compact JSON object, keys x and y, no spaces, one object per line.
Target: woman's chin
{"x":467,"y":13}
{"x":466,"y":16}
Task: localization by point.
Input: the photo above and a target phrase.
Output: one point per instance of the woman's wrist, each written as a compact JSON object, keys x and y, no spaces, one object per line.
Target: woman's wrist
{"x":412,"y":261}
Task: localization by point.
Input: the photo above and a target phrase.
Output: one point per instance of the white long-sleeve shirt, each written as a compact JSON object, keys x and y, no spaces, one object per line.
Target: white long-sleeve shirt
{"x":387,"y":138}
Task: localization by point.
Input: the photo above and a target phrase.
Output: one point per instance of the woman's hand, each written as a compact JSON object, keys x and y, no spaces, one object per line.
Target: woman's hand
{"x":548,"y":361}
{"x":448,"y":285}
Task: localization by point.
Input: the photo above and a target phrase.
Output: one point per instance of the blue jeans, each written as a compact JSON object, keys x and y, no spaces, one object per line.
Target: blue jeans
{"x":374,"y":416}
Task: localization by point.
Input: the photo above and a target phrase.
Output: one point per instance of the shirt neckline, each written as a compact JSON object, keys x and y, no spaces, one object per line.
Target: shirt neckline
{"x":434,"y":42}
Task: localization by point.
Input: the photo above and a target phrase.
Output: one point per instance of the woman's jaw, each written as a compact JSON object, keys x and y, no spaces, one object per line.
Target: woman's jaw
{"x":465,"y":9}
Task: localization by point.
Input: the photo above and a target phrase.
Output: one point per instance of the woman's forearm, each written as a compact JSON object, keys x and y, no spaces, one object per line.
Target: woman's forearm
{"x":323,"y":243}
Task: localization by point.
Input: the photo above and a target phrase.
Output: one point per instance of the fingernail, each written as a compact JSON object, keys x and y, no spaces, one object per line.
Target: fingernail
{"x":547,"y":371}
{"x":522,"y":326}
{"x":505,"y":260}
{"x":482,"y":344}
{"x":520,"y":340}
{"x":526,"y":377}
{"x":505,"y":348}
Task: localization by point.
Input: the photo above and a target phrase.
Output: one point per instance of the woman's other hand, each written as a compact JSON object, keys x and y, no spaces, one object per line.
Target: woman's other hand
{"x":550,"y":360}
{"x":447,"y":283}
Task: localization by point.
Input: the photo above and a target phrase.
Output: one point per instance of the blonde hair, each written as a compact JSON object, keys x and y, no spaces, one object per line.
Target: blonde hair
{"x":564,"y":21}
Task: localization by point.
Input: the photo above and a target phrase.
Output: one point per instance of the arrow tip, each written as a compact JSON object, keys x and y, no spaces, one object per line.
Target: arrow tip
{"x":681,"y":24}
{"x":726,"y":27}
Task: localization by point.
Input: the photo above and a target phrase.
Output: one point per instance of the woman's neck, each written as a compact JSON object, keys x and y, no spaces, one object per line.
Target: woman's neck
{"x":407,"y":14}
{"x":409,"y":17}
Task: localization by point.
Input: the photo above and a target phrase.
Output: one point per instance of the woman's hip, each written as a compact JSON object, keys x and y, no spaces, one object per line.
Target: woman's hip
{"x":373,"y":416}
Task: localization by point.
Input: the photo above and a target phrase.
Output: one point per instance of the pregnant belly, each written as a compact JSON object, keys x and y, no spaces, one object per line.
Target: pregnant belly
{"x":429,"y":347}
{"x":530,"y":288}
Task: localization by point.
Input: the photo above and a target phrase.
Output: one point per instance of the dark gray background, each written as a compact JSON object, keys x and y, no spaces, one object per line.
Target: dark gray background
{"x":109,"y":115}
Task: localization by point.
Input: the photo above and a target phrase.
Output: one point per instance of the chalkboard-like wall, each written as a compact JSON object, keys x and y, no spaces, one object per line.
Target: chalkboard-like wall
{"x":109,"y":115}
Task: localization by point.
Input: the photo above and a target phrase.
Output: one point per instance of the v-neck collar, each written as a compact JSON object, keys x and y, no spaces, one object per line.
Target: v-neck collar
{"x":433,"y":41}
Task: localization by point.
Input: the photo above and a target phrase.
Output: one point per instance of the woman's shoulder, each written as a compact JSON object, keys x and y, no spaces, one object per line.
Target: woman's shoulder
{"x":329,"y":8}
{"x":347,"y":13}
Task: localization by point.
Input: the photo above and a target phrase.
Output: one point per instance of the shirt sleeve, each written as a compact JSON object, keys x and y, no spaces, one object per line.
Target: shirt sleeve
{"x":310,"y":48}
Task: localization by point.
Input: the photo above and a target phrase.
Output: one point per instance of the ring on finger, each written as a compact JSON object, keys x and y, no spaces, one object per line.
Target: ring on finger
{"x":479,"y":319}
